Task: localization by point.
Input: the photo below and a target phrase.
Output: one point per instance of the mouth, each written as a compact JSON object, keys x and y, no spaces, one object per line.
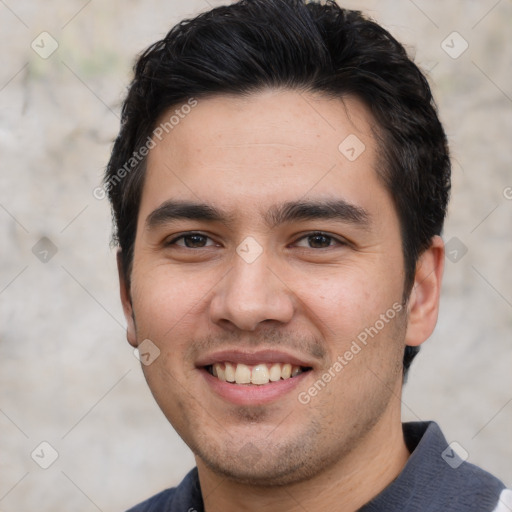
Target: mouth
{"x":259,"y":374}
{"x":253,"y":378}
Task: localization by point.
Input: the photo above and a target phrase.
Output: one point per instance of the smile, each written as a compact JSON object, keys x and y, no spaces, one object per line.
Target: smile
{"x":258,"y":374}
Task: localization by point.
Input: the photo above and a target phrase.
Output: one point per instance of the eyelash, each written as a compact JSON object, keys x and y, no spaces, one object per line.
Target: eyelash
{"x":187,"y":235}
{"x":331,"y":238}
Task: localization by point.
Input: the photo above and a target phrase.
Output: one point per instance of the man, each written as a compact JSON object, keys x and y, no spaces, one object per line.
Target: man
{"x":279,"y":186}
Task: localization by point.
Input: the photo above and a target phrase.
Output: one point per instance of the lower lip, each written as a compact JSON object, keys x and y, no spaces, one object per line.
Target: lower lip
{"x":252,"y":394}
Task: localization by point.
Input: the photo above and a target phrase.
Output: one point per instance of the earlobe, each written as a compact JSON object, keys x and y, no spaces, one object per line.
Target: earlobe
{"x":423,"y":305}
{"x":126,"y":301}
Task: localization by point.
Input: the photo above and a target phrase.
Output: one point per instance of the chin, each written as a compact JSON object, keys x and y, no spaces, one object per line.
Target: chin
{"x":267,"y":474}
{"x":268,"y":464}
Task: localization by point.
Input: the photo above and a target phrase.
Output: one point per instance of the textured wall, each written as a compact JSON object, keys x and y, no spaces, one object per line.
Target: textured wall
{"x":67,"y":375}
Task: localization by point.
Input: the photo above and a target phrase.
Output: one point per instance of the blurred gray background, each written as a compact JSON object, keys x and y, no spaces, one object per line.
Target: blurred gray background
{"x":68,"y":377}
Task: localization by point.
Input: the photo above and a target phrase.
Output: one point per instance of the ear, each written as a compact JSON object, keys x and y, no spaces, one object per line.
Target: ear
{"x":423,"y":304}
{"x":126,"y":301}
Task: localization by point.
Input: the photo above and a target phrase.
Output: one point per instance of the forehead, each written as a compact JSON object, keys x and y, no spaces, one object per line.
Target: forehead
{"x":267,"y":147}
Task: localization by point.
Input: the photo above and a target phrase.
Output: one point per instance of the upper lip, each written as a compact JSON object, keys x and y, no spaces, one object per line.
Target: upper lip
{"x":252,"y":358}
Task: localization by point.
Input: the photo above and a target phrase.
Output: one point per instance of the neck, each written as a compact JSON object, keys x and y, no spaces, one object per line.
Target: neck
{"x":347,"y":485}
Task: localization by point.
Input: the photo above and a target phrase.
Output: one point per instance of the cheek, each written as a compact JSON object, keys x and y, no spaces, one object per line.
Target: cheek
{"x":165,"y":300}
{"x":345,"y":301}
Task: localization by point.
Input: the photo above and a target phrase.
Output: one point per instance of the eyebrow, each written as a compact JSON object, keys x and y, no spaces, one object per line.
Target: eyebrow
{"x":276,"y":215}
{"x":176,"y":210}
{"x":339,"y":210}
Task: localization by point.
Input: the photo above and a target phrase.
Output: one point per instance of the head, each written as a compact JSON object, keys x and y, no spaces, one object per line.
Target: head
{"x":303,"y":135}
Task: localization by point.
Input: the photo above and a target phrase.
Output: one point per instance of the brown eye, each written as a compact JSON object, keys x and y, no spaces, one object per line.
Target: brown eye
{"x":192,"y":241}
{"x":318,"y":241}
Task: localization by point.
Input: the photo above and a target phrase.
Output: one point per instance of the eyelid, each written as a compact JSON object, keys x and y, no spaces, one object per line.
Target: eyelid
{"x":339,"y":240}
{"x":180,"y":236}
{"x":336,"y":238}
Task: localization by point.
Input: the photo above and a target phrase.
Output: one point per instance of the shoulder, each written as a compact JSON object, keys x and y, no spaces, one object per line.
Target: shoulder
{"x":446,"y":477}
{"x":160,"y":502}
{"x":186,"y":497}
{"x":436,"y":477}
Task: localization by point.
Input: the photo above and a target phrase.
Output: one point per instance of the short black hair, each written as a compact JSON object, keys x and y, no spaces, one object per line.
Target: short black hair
{"x":300,"y":45}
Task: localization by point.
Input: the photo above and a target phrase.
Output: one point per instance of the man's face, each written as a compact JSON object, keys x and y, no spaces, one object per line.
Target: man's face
{"x":261,"y":244}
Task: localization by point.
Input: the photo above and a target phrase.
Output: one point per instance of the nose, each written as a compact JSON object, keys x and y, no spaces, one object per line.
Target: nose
{"x":250,"y":294}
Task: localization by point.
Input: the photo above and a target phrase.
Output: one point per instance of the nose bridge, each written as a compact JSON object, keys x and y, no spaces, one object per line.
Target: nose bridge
{"x":251,"y":294}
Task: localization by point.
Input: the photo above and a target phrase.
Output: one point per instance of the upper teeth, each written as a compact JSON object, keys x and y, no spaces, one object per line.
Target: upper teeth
{"x":259,"y":374}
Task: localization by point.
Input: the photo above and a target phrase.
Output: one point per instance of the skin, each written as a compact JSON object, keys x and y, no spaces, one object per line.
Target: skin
{"x":308,"y":295}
